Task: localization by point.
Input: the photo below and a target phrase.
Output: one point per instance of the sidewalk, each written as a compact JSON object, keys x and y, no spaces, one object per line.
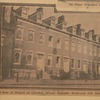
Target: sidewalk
{"x":79,"y":84}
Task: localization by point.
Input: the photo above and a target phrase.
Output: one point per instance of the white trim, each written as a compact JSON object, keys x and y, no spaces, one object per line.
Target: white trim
{"x":22,"y":31}
{"x":43,"y":38}
{"x":80,"y":63}
{"x":73,"y":64}
{"x":30,"y":51}
{"x":67,"y":35}
{"x":59,"y":46}
{"x":31,"y":23}
{"x":67,"y":57}
{"x":19,"y":26}
{"x":59,"y":61}
{"x":79,"y":46}
{"x":33,"y":32}
{"x":41,"y":53}
{"x":51,"y":60}
{"x":73,"y":41}
{"x":68,"y":45}
{"x":20,"y":56}
{"x":52,"y":40}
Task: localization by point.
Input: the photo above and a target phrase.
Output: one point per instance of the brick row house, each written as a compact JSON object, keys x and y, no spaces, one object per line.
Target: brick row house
{"x":37,"y":48}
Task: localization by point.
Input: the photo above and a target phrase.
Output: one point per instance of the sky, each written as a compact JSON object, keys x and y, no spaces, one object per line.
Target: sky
{"x":88,"y":21}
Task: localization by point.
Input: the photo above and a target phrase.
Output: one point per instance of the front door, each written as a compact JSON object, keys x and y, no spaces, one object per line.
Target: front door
{"x":85,"y":67}
{"x":41,"y":61}
{"x":66,"y":65}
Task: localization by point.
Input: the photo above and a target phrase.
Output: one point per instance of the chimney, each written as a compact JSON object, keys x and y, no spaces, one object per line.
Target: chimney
{"x":78,"y":29}
{"x":49,"y":21}
{"x":61,"y":23}
{"x":37,"y":16}
{"x":22,"y":11}
{"x":91,"y":34}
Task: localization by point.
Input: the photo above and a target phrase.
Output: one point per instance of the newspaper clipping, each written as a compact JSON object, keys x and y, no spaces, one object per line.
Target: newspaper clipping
{"x":50,"y":48}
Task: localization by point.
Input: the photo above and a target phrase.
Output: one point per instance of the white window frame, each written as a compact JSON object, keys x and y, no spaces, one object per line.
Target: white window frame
{"x":66,"y":57}
{"x":85,"y":49}
{"x":22,"y":30}
{"x":51,"y":42}
{"x":99,"y":52}
{"x":59,"y":61}
{"x":73,"y":47}
{"x":59,"y":45}
{"x":95,"y":51}
{"x":28,"y":51}
{"x":67,"y":44}
{"x":90,"y":50}
{"x":24,"y":13}
{"x":43,"y":38}
{"x":73,"y":64}
{"x":33,"y":32}
{"x":84,"y":60}
{"x":19,"y":58}
{"x":79,"y":47}
{"x":78,"y":63}
{"x":95,"y":65}
{"x":50,"y":59}
{"x":74,"y":30}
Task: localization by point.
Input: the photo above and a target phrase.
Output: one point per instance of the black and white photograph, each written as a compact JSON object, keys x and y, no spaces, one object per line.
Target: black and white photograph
{"x":42,"y":47}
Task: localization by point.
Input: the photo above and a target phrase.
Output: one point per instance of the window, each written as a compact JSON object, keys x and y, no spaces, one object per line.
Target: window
{"x":53,"y":21}
{"x":95,"y":66}
{"x":72,"y":63}
{"x":66,"y":64}
{"x":31,"y":36}
{"x":39,"y":16}
{"x":66,"y":44}
{"x":79,"y":63}
{"x":59,"y":43}
{"x":90,"y":50}
{"x":17,"y":56}
{"x":64,"y":25}
{"x":50,"y":40}
{"x":85,"y":49}
{"x":85,"y":66}
{"x":24,"y":13}
{"x":95,"y":51}
{"x":58,"y":62}
{"x":74,"y":29}
{"x":29,"y":58}
{"x":99,"y":68}
{"x":99,"y":52}
{"x":79,"y":47}
{"x":19,"y":33}
{"x":73,"y":46}
{"x":49,"y":61}
{"x":41,"y":38}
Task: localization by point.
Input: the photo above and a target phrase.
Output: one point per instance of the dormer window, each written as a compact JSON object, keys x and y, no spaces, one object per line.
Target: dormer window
{"x":74,"y":29}
{"x":39,"y":16}
{"x":53,"y":21}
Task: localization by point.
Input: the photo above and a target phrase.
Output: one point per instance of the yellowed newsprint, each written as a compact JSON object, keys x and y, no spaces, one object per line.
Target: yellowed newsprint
{"x":50,"y":47}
